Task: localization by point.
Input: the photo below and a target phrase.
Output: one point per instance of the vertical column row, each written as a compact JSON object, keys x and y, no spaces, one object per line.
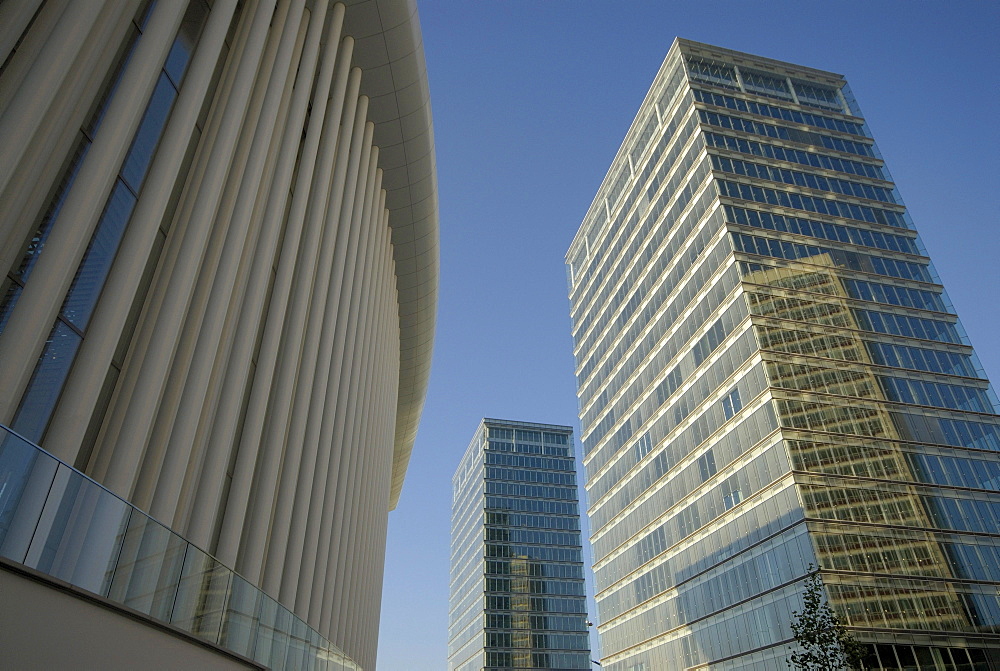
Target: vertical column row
{"x":287,"y":337}
{"x":315,"y":338}
{"x":174,"y":257}
{"x":219,"y":285}
{"x":124,"y":439}
{"x":385,"y":405}
{"x":319,"y":599}
{"x":78,"y":401}
{"x":24,"y":114}
{"x":251,"y":455}
{"x":359,"y":545}
{"x":194,"y":425}
{"x":359,"y":471}
{"x":14,"y":20}
{"x":29,"y":323}
{"x":316,"y":544}
{"x":315,"y":480}
{"x":30,"y":186}
{"x":221,"y":429}
{"x":160,"y":477}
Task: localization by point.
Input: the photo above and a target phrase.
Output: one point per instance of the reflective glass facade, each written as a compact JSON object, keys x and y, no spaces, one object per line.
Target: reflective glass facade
{"x":771,"y":375}
{"x":58,"y":522}
{"x":518,"y":599}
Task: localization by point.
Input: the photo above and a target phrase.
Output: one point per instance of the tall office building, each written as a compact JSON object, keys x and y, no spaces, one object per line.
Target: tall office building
{"x":771,"y":376}
{"x":518,"y":599}
{"x":218,"y":247}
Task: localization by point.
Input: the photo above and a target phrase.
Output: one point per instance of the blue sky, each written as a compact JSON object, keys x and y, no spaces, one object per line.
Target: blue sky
{"x":531,"y":101}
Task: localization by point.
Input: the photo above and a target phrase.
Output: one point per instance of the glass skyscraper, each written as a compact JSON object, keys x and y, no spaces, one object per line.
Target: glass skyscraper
{"x":771,"y":376}
{"x":517,"y":590}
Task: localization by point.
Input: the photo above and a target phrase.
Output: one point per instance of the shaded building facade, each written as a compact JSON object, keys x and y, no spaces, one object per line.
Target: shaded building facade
{"x":518,"y":598}
{"x":770,"y":377}
{"x":218,"y":250}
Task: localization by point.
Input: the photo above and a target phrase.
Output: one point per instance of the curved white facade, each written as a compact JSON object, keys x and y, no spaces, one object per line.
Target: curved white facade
{"x":220,"y":249}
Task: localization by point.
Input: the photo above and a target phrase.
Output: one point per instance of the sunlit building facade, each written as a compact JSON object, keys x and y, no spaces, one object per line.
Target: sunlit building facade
{"x":518,"y":599}
{"x":770,"y":377}
{"x":218,"y":280}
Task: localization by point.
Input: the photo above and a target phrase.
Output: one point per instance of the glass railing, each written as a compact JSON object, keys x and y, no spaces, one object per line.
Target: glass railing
{"x":58,"y":521}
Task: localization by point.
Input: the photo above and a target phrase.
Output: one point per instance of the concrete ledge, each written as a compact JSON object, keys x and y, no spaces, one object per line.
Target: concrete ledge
{"x":46,"y":623}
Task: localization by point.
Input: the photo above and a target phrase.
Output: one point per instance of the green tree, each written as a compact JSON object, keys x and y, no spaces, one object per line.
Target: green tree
{"x":824,"y":643}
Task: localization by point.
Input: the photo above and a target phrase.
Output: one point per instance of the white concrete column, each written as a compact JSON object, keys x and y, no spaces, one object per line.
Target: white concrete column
{"x":132,"y":420}
{"x":312,"y":307}
{"x":333,"y":434}
{"x":313,"y":482}
{"x":362,"y":423}
{"x":220,"y":238}
{"x":242,"y":233}
{"x":14,"y":20}
{"x":31,"y":46}
{"x":73,"y":413}
{"x":335,"y":295}
{"x":31,"y":321}
{"x":250,"y":445}
{"x":169,"y":256}
{"x":24,"y":113}
{"x":234,"y":308}
{"x":220,"y":439}
{"x":312,"y":500}
{"x":30,"y":188}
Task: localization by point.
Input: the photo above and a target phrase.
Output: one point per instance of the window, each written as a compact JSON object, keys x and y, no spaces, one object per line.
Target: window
{"x":766,"y":85}
{"x":732,"y":404}
{"x":643,"y":446}
{"x":706,"y":465}
{"x":718,"y":74}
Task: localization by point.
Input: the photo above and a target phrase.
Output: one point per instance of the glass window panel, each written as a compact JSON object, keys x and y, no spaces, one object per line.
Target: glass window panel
{"x":272,"y":638}
{"x":26,"y":474}
{"x":149,"y":568}
{"x":239,"y":624}
{"x":79,"y":533}
{"x":201,"y":595}
{"x":148,"y":134}
{"x":187,"y":38}
{"x":46,"y":382}
{"x":89,"y":280}
{"x":10,"y":293}
{"x":34,"y":246}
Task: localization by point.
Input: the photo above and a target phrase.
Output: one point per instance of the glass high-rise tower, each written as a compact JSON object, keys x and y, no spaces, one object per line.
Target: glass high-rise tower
{"x":517,"y":590}
{"x":771,"y":376}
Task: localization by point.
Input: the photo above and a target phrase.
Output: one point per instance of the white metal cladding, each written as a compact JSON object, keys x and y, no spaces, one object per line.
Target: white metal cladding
{"x":390,"y":50}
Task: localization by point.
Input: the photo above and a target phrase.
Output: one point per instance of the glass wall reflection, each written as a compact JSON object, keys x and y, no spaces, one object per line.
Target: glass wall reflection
{"x":57,"y":521}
